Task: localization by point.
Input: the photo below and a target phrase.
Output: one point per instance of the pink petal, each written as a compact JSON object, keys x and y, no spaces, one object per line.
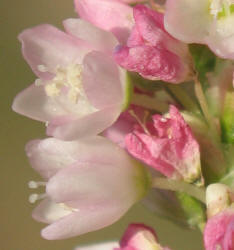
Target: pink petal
{"x":33,"y":102}
{"x":187,"y":20}
{"x":99,"y":39}
{"x":219,"y":231}
{"x":135,"y":38}
{"x":102,"y":80}
{"x":134,"y":236}
{"x":83,"y":221}
{"x":48,"y":46}
{"x":109,"y":15}
{"x":91,"y":183}
{"x":67,"y":128}
{"x":144,"y":148}
{"x":150,"y":25}
{"x":151,"y":62}
{"x":140,"y":237}
{"x":50,"y":155}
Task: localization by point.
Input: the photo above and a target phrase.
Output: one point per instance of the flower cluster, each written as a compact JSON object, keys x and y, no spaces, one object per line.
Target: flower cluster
{"x":137,"y":96}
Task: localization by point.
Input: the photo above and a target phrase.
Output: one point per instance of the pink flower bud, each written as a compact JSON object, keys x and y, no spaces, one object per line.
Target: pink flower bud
{"x":219,"y":231}
{"x":136,"y":237}
{"x":168,"y":145}
{"x":151,"y":51}
{"x":139,"y":237}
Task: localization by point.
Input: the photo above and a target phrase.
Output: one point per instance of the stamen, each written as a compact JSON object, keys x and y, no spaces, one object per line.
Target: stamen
{"x":38,"y":82}
{"x":70,"y":77}
{"x":66,"y":207}
{"x":142,"y":124}
{"x":34,"y":197}
{"x":36,"y":184}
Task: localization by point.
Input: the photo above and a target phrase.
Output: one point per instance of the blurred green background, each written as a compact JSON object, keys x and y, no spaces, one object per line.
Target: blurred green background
{"x":18,"y":231}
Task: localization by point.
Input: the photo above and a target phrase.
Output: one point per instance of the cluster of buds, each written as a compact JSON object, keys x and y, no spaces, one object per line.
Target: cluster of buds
{"x":132,"y":105}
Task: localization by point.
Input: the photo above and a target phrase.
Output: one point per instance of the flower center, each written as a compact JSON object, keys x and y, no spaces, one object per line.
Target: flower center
{"x":221,"y":8}
{"x":67,"y":79}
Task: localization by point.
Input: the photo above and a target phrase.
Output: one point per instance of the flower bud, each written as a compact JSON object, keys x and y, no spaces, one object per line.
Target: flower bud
{"x":217,"y":198}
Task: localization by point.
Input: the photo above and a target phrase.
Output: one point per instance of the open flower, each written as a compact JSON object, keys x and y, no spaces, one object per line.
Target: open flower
{"x":151,"y":51}
{"x":90,"y":184}
{"x":168,"y":145}
{"x":80,"y":90}
{"x":203,"y":21}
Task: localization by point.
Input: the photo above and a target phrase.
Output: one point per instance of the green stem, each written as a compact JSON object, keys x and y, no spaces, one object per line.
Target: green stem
{"x":182,"y":97}
{"x":149,"y":103}
{"x":204,"y":106}
{"x":175,"y":185}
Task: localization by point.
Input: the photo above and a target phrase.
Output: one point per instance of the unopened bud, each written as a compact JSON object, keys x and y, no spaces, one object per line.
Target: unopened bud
{"x":218,"y":198}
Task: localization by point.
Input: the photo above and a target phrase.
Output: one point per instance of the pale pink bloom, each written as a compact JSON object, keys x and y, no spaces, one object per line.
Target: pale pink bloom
{"x":81,"y":90}
{"x":140,"y":237}
{"x":204,"y":21}
{"x":90,"y":184}
{"x":151,"y":51}
{"x":219,"y":231}
{"x":168,"y":145}
{"x":110,"y":15}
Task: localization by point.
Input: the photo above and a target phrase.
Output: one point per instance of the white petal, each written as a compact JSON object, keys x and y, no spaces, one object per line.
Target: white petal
{"x":100,"y":246}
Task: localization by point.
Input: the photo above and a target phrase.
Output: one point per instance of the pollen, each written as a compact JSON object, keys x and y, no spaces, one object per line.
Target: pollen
{"x":67,"y":79}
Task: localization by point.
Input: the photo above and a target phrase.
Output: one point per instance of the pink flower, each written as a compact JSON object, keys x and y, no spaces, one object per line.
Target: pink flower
{"x":168,"y":145}
{"x":90,"y":184}
{"x":139,"y":237}
{"x":110,"y":15}
{"x":219,"y":231}
{"x":136,"y":237}
{"x":204,"y":21}
{"x":81,"y":90}
{"x":151,"y":51}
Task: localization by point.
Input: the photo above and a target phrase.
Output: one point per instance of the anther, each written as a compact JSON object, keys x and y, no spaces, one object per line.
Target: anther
{"x":38,"y":82}
{"x":142,"y":124}
{"x":34,"y":197}
{"x":36,"y":184}
{"x":42,"y":68}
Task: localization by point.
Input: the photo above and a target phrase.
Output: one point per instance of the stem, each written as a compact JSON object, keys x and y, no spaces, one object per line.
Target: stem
{"x":204,"y":106}
{"x":175,"y":185}
{"x":183,"y":97}
{"x":149,"y":103}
